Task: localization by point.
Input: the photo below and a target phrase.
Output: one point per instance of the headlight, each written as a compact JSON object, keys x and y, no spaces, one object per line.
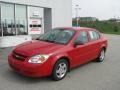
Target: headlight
{"x":38,"y":59}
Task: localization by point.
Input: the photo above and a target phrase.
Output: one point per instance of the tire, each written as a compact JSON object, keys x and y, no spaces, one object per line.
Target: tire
{"x":60,"y":70}
{"x":101,"y":56}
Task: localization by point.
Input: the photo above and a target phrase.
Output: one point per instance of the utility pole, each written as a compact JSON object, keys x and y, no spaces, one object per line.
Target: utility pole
{"x":77,"y":15}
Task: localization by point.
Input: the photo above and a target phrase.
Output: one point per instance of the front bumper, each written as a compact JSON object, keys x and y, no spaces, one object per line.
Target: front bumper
{"x":28,"y":69}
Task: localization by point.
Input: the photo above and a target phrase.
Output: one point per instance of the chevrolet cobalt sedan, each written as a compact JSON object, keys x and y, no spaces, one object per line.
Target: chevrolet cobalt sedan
{"x":56,"y":52}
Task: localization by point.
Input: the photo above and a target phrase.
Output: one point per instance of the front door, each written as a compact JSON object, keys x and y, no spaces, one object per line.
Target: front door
{"x":81,"y":53}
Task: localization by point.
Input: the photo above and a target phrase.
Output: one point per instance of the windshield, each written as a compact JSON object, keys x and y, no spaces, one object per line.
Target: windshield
{"x":60,"y":36}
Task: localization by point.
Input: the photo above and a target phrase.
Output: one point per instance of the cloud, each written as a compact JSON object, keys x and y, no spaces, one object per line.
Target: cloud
{"x":103,"y":9}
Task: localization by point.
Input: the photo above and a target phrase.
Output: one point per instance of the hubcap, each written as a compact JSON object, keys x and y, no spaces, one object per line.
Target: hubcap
{"x":102,"y":55}
{"x":61,"y":70}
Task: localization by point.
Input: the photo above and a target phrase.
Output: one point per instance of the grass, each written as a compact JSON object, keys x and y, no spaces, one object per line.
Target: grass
{"x":108,"y":27}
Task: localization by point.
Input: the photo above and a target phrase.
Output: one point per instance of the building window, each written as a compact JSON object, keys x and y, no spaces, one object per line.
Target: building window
{"x":21,"y":19}
{"x":13,"y":18}
{"x":7,"y":19}
{"x":0,"y":23}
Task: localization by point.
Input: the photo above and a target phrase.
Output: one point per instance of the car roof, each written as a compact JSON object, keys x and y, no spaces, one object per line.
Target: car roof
{"x":76,"y":28}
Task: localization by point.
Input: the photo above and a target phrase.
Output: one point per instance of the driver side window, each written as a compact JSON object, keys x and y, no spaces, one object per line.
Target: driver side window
{"x":82,"y":37}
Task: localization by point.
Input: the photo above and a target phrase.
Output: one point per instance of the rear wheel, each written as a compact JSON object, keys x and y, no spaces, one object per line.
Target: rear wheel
{"x":60,"y":70}
{"x":101,"y":56}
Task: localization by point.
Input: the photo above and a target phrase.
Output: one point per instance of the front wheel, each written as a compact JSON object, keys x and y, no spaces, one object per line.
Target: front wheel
{"x":101,"y":56}
{"x":60,"y":70}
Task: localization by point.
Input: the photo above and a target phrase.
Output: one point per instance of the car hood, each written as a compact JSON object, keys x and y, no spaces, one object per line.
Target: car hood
{"x":37,"y":47}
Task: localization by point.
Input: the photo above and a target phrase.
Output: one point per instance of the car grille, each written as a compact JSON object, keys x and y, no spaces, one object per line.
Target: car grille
{"x":19,"y":56}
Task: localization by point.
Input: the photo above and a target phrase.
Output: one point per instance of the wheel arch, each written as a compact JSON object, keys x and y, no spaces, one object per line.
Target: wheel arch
{"x":62,"y":57}
{"x":67,"y":59}
{"x":104,"y":47}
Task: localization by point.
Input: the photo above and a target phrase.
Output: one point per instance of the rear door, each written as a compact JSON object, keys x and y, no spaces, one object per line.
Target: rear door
{"x":94,"y":43}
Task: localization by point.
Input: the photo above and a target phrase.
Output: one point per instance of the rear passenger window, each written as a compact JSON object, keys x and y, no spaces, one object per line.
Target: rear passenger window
{"x":94,"y":35}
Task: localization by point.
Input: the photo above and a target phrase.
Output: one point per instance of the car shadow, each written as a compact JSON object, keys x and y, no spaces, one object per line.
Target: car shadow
{"x":14,"y":77}
{"x":86,"y":67}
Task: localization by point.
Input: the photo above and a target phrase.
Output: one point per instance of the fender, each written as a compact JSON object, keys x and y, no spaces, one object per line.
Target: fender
{"x":56,"y":57}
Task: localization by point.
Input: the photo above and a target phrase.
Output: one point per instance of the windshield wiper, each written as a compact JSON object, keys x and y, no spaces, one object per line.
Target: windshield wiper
{"x":46,"y":40}
{"x":49,"y":41}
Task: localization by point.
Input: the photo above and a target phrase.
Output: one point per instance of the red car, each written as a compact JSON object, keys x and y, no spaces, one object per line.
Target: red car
{"x":56,"y":52}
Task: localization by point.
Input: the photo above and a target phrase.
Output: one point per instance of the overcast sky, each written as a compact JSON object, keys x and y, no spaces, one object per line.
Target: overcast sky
{"x":102,"y":9}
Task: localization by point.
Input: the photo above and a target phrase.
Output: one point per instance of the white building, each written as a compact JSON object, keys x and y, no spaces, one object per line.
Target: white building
{"x":22,"y":19}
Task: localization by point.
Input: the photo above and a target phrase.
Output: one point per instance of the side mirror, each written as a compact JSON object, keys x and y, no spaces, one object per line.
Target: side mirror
{"x":76,"y":43}
{"x":37,"y":39}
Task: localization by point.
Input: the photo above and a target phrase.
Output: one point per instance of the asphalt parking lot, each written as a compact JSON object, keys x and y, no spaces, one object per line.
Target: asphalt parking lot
{"x":91,"y":76}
